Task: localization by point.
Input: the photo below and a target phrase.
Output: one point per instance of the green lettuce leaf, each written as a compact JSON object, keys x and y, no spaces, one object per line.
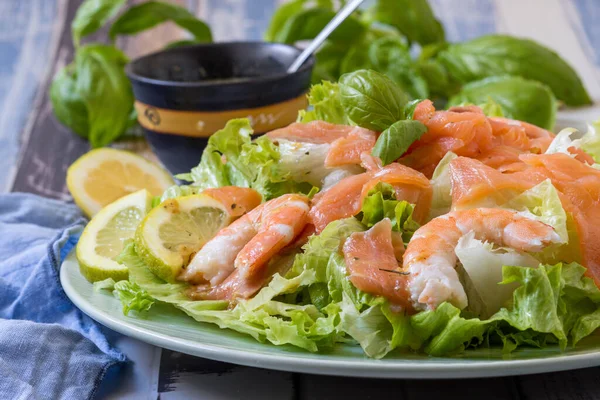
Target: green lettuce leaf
{"x":542,"y":203}
{"x":262,"y":317}
{"x":326,"y":104}
{"x":133,"y":297}
{"x":231,"y":157}
{"x":553,"y":303}
{"x":588,"y":142}
{"x":381,"y":203}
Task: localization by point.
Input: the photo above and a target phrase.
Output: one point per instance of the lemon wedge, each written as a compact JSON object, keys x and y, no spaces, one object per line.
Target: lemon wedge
{"x":103,"y":238}
{"x":102,"y":176}
{"x":175,"y":230}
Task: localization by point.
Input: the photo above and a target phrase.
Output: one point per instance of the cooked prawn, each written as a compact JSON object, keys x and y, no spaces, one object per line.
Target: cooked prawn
{"x":249,"y":243}
{"x":235,"y":287}
{"x":430,"y":258}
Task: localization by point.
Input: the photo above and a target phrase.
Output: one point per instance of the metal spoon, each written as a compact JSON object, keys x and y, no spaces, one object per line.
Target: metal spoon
{"x":330,"y":27}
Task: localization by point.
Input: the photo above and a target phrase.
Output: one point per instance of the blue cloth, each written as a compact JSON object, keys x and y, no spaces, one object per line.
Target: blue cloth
{"x":48,"y":348}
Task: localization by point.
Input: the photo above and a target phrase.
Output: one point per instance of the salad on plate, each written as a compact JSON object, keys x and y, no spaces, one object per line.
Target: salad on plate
{"x":373,"y":221}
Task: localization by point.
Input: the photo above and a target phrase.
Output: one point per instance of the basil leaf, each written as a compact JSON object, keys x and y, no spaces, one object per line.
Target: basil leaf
{"x":147,"y":15}
{"x":329,"y":58}
{"x":409,"y":108}
{"x":105,"y":90}
{"x":280,"y":17}
{"x":180,"y":43}
{"x":409,"y":79}
{"x":390,"y":55}
{"x":371,"y":100}
{"x":68,"y":105}
{"x":414,"y":18}
{"x":495,"y":55}
{"x":92,"y":15}
{"x":395,"y":140}
{"x":437,"y":78}
{"x":519,"y":98}
{"x":356,"y":58}
{"x":308,"y":23}
{"x":389,"y":50}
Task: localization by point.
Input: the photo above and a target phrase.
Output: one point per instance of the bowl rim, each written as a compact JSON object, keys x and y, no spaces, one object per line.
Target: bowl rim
{"x":307,"y":65}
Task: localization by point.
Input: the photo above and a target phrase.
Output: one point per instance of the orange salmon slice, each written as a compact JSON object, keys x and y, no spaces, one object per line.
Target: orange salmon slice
{"x":372,"y":265}
{"x":347,"y":142}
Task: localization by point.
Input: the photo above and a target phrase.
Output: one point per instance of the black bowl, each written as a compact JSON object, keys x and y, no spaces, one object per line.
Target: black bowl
{"x":185,"y":94}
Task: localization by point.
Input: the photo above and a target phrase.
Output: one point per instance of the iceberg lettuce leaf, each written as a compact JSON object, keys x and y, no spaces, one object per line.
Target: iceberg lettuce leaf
{"x":441,"y":186}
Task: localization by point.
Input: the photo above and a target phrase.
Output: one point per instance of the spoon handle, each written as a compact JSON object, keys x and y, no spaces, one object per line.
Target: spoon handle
{"x":330,"y":27}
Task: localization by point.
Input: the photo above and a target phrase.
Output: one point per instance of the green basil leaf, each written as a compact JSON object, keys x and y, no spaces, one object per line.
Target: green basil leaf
{"x":414,"y":18}
{"x":69,"y":107}
{"x":410,"y":80}
{"x":409,"y":108}
{"x":437,"y":78}
{"x":147,"y":15}
{"x":519,"y":98}
{"x":105,"y":90}
{"x":389,"y":50}
{"x":395,"y":140}
{"x":329,"y":59}
{"x":495,"y":55}
{"x":92,"y":15}
{"x":371,"y":100}
{"x":356,"y":58}
{"x":280,"y":17}
{"x":181,"y":43}
{"x":308,"y":23}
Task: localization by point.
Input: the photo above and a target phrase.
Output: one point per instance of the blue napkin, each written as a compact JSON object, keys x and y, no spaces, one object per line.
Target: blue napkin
{"x":48,"y":348}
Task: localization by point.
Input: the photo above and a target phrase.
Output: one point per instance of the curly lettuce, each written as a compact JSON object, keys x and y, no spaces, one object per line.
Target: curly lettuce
{"x":231,"y":157}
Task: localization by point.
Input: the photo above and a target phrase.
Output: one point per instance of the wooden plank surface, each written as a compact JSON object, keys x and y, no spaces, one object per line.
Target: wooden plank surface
{"x":48,"y":149}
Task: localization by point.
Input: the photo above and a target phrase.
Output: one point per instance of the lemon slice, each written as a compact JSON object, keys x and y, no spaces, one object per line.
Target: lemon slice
{"x":102,"y":176}
{"x":175,"y":230}
{"x":102,"y":239}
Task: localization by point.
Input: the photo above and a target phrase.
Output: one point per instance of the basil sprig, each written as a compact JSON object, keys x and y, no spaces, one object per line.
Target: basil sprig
{"x":92,"y":96}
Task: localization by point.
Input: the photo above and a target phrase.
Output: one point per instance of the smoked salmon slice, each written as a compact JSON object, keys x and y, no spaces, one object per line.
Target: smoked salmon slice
{"x":345,"y":199}
{"x":346,"y":142}
{"x":466,"y":131}
{"x":372,"y":264}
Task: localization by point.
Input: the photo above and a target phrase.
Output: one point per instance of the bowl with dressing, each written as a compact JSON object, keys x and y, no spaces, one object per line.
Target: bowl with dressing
{"x":185,"y":94}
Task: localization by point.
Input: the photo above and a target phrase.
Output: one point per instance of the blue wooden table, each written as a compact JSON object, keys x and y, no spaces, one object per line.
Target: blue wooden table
{"x":35,"y":151}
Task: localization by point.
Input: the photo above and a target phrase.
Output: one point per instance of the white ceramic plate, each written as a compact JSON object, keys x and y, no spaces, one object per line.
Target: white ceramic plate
{"x":185,"y":335}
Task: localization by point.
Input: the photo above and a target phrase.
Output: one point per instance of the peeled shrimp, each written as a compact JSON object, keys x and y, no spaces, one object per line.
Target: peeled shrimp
{"x":248,"y":244}
{"x":430,"y":259}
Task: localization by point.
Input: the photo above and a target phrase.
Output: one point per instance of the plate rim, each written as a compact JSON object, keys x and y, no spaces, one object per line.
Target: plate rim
{"x":364,"y":368}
